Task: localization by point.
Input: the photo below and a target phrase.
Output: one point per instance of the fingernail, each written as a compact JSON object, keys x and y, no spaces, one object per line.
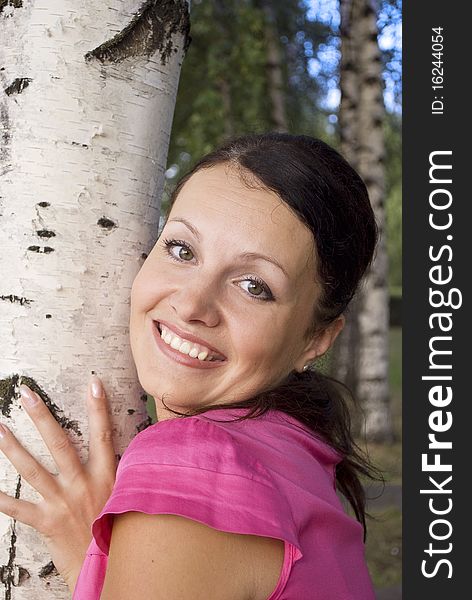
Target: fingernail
{"x":3,"y":430}
{"x":28,"y":395}
{"x":97,"y":389}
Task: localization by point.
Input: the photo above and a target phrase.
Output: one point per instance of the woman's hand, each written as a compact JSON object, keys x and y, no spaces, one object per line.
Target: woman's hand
{"x":74,"y":497}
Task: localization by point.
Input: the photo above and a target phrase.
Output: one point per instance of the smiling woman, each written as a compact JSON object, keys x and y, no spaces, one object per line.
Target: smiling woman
{"x":247,"y":296}
{"x":232,"y":494}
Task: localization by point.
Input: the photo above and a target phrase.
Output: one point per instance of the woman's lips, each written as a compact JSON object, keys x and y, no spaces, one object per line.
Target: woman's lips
{"x":190,"y":338}
{"x":178,"y":357}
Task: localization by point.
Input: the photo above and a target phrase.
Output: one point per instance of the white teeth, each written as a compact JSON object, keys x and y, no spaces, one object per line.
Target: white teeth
{"x":184,"y":346}
{"x":176,"y":343}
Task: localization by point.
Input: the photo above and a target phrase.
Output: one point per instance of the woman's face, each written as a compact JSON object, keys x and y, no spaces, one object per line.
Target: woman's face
{"x":232,"y":276}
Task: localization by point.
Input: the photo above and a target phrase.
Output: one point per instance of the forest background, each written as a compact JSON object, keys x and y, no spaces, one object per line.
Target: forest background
{"x":259,"y":65}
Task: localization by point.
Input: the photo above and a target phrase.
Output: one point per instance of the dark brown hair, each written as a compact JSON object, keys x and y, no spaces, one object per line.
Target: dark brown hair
{"x":330,"y":198}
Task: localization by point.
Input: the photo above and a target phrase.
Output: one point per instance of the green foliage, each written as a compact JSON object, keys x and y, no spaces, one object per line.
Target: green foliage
{"x":224,"y":82}
{"x":224,"y":88}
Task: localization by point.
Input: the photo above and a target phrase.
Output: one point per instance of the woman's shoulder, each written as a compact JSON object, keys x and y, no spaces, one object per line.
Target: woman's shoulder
{"x":197,"y":442}
{"x":195,"y":468}
{"x":220,"y":438}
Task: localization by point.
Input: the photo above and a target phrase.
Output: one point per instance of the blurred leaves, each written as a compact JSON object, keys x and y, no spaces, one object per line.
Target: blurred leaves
{"x":224,"y":84}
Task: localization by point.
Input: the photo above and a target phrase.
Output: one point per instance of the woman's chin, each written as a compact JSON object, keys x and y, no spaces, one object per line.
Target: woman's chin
{"x":172,"y":399}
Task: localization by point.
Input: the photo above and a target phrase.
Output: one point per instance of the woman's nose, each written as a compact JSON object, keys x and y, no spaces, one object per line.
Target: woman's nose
{"x":196,"y":301}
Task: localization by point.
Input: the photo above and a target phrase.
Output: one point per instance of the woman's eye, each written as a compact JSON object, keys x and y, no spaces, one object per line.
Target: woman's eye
{"x":178,"y":250}
{"x":257,"y":289}
{"x":184,"y":253}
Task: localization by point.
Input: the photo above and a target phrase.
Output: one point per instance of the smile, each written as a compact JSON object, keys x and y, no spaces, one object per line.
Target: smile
{"x":185,"y":351}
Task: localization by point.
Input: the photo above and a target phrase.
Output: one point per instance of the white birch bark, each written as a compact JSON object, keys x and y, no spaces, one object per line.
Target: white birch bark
{"x":87,"y":94}
{"x":373,"y":385}
{"x":361,"y":352}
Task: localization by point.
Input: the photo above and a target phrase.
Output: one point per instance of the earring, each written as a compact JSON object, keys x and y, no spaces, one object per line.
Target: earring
{"x":305,"y":368}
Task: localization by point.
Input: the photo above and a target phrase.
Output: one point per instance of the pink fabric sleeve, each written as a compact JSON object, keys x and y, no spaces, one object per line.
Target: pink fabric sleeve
{"x":195,"y":469}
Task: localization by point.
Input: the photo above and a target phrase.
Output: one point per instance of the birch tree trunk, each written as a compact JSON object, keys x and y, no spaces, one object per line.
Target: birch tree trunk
{"x":361,"y":354}
{"x":87,"y":94}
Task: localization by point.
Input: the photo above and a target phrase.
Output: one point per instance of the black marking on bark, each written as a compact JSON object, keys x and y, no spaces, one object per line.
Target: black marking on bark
{"x":48,"y":316}
{"x":5,"y":138}
{"x":45,"y":233}
{"x":49,"y":569}
{"x":12,"y":574}
{"x":18,"y":85}
{"x":367,"y":10}
{"x":45,"y":250}
{"x":106,"y":223}
{"x":371,"y":80}
{"x":13,"y":3}
{"x":149,"y":31}
{"x":79,"y":144}
{"x":131,"y":411}
{"x":144,"y":255}
{"x":144,"y":397}
{"x":12,"y":298}
{"x":8,"y":395}
{"x":144,"y":424}
{"x":44,"y":204}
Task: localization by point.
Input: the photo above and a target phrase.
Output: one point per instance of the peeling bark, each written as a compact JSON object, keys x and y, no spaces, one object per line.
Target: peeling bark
{"x":151,"y":30}
{"x":9,"y":4}
{"x":8,"y":393}
{"x":18,"y":85}
{"x":49,"y":569}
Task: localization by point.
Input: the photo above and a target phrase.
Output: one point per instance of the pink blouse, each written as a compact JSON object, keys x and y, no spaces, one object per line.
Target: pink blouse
{"x":268,"y":476}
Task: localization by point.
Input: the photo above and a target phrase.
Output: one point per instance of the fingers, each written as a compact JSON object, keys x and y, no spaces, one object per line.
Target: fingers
{"x":20,"y":510}
{"x":34,"y":473}
{"x":56,"y":439}
{"x":102,"y":453}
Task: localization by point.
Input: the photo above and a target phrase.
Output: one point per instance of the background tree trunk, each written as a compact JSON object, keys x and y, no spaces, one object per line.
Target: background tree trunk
{"x":274,"y":69}
{"x":223,"y":16}
{"x":361,"y":353}
{"x":87,"y":93}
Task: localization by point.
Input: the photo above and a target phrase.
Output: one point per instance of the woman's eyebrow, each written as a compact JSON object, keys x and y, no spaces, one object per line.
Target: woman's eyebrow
{"x":255,"y":255}
{"x":244,"y":256}
{"x":187,"y":224}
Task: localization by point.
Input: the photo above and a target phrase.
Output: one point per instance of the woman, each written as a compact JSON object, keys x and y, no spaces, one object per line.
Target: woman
{"x":231,"y":495}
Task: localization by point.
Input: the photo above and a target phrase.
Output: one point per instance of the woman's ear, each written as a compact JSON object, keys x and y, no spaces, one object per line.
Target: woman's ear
{"x":320,"y":343}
